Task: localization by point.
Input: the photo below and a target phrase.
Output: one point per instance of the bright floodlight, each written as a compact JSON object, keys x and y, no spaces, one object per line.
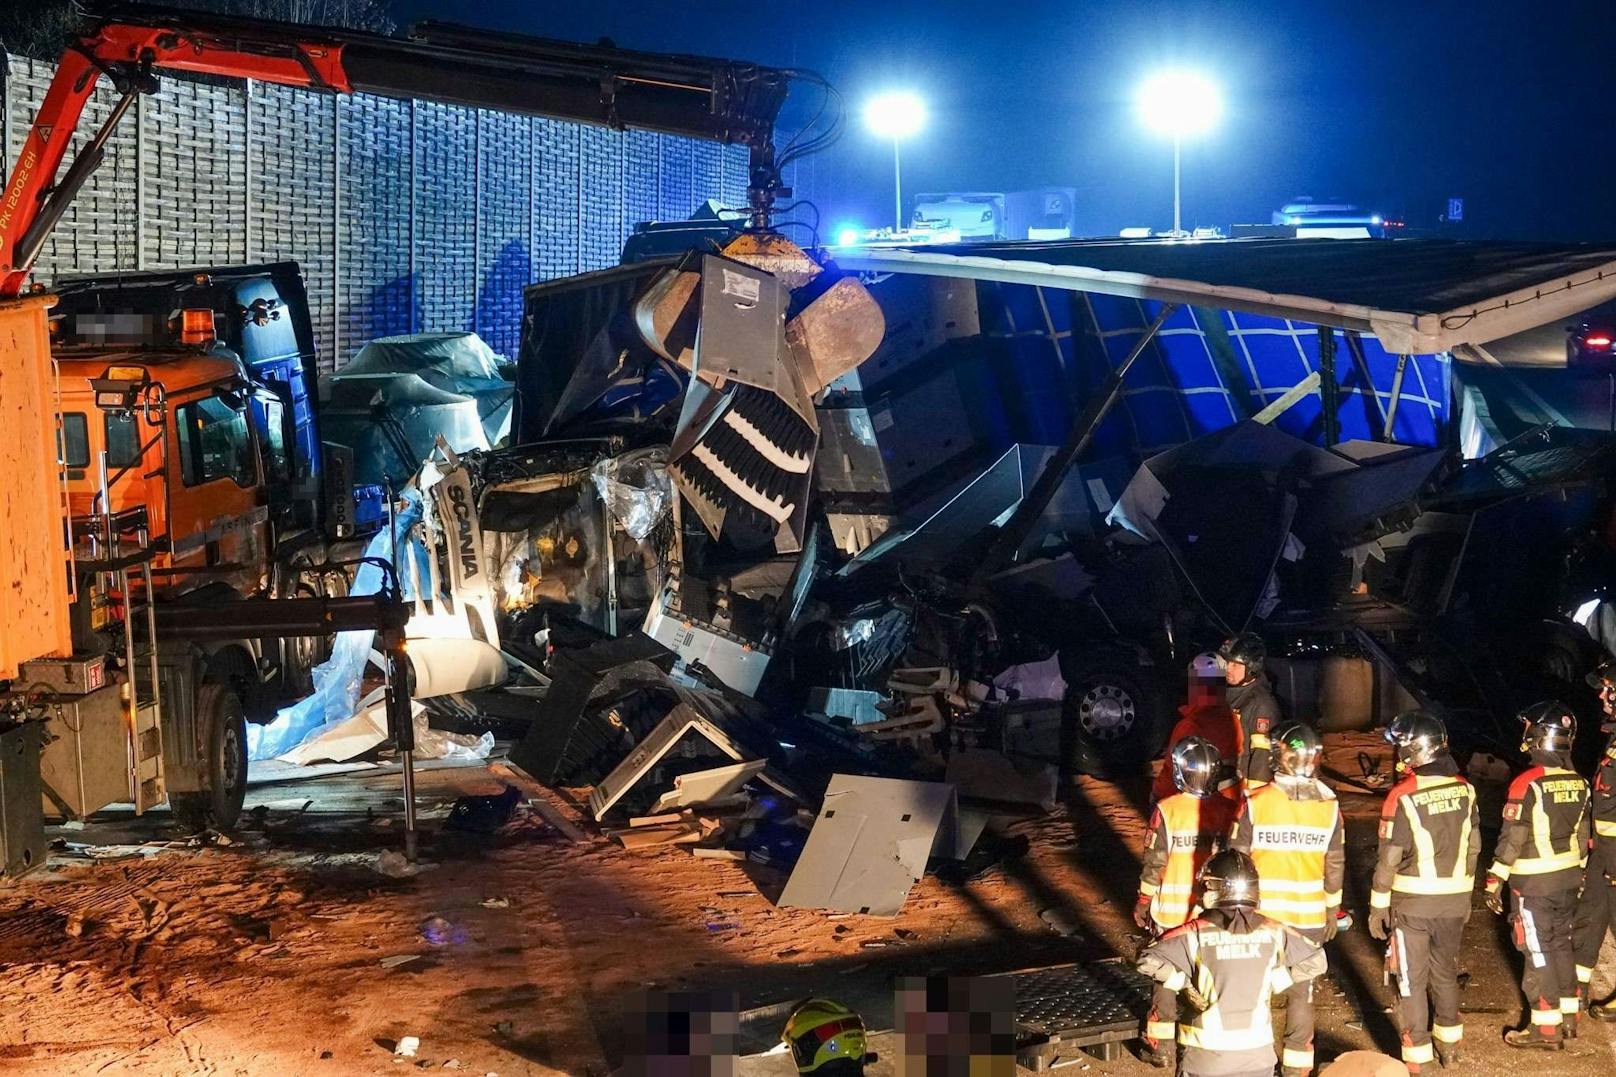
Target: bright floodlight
{"x":1179,"y":103}
{"x":847,"y":236}
{"x":897,"y":114}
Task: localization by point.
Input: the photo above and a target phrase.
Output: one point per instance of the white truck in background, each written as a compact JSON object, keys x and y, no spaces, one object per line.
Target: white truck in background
{"x":1039,"y":213}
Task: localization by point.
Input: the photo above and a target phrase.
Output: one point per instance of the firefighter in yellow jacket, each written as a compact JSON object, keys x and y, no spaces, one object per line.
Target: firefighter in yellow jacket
{"x":1186,"y":829}
{"x":1292,"y":830}
{"x":1425,"y":875}
{"x":1541,"y":851}
{"x":1226,"y":963}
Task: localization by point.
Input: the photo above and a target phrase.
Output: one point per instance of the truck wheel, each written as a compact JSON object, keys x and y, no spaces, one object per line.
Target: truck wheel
{"x":1112,"y":703}
{"x":222,"y":721}
{"x":303,"y":653}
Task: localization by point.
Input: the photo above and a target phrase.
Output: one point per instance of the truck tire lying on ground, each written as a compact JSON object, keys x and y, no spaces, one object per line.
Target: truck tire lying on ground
{"x":222,"y":721}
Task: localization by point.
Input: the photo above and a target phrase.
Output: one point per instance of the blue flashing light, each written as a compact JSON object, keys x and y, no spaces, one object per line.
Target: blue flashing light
{"x":847,"y":236}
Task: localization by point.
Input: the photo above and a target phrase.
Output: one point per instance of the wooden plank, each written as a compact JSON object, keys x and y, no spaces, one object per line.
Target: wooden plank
{"x":656,"y":820}
{"x":649,"y":837}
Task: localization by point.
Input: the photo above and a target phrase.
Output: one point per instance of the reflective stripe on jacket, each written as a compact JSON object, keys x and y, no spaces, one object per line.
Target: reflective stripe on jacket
{"x":1543,"y":843}
{"x":1429,"y":840}
{"x":1184,"y":833}
{"x":1292,"y":831}
{"x":1257,"y":713}
{"x":1603,"y":803}
{"x":1236,"y":973}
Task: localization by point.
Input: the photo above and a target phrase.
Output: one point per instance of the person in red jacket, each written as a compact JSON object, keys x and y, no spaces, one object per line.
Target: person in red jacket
{"x":1206,"y":715}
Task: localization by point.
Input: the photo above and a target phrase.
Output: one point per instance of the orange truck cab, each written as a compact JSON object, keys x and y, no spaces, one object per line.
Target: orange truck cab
{"x":186,"y":404}
{"x":188,"y":457}
{"x":193,"y":461}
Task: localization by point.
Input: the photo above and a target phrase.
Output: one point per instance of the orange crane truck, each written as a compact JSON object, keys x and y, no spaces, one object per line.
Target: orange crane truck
{"x":163,"y":568}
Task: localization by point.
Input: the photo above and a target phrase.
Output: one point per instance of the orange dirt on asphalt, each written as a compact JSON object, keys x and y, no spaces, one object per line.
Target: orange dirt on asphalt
{"x":271,"y":956}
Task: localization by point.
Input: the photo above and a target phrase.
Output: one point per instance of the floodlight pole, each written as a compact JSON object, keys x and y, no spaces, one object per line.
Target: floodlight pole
{"x":1178,"y":147}
{"x":897,"y":186}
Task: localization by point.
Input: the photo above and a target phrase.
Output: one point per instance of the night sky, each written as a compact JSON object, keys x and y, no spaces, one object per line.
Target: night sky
{"x":1396,"y":106}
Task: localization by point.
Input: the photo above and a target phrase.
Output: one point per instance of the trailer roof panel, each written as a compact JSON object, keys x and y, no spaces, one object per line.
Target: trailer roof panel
{"x":1416,"y":295}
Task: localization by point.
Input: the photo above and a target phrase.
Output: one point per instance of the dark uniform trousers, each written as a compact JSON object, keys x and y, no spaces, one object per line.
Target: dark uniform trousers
{"x":1542,"y":927}
{"x":1596,"y":911}
{"x":1424,"y":955}
{"x":1299,"y":1016}
{"x":1161,"y":1024}
{"x":1542,"y":852}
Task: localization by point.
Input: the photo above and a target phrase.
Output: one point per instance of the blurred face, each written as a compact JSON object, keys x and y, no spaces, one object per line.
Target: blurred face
{"x":1205,"y":693}
{"x":1607,"y":697}
{"x":1235,"y":673}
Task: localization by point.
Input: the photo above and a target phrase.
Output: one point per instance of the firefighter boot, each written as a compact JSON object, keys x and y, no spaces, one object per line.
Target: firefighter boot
{"x":1448,"y":1054}
{"x":1602,"y":1011}
{"x":1533,"y":1039}
{"x":1293,"y":1071}
{"x":1160,"y":1056}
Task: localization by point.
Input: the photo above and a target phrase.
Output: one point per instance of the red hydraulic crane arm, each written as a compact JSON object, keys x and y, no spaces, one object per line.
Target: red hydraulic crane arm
{"x":127,"y":52}
{"x":724,"y":100}
{"x":310,"y":63}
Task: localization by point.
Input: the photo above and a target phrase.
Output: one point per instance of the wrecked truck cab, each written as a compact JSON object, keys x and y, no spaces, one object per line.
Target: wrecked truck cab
{"x":896,"y":500}
{"x":577,"y":528}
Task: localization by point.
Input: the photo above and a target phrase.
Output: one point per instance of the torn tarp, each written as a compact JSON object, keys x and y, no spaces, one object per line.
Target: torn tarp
{"x":398,"y":395}
{"x":391,"y":422}
{"x":458,"y":363}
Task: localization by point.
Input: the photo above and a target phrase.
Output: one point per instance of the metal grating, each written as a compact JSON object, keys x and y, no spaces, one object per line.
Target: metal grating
{"x":445,"y":198}
{"x":292,"y":194}
{"x":504,"y":228}
{"x":1074,"y":1003}
{"x":642,"y":176}
{"x":195,"y":175}
{"x":98,"y":232}
{"x":556,"y":190}
{"x":601,"y":174}
{"x":676,"y":186}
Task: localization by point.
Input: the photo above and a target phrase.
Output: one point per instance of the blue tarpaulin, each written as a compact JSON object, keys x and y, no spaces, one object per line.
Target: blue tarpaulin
{"x":338,"y":679}
{"x":1205,"y":370}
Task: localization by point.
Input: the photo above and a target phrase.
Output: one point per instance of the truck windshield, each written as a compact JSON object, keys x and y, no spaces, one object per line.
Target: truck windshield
{"x":215,"y":443}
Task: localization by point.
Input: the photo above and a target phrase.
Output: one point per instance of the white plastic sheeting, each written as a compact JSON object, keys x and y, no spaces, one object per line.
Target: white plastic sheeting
{"x":636,"y":489}
{"x":341,"y":741}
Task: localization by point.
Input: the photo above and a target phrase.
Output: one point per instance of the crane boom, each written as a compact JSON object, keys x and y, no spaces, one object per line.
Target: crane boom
{"x":722,"y":100}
